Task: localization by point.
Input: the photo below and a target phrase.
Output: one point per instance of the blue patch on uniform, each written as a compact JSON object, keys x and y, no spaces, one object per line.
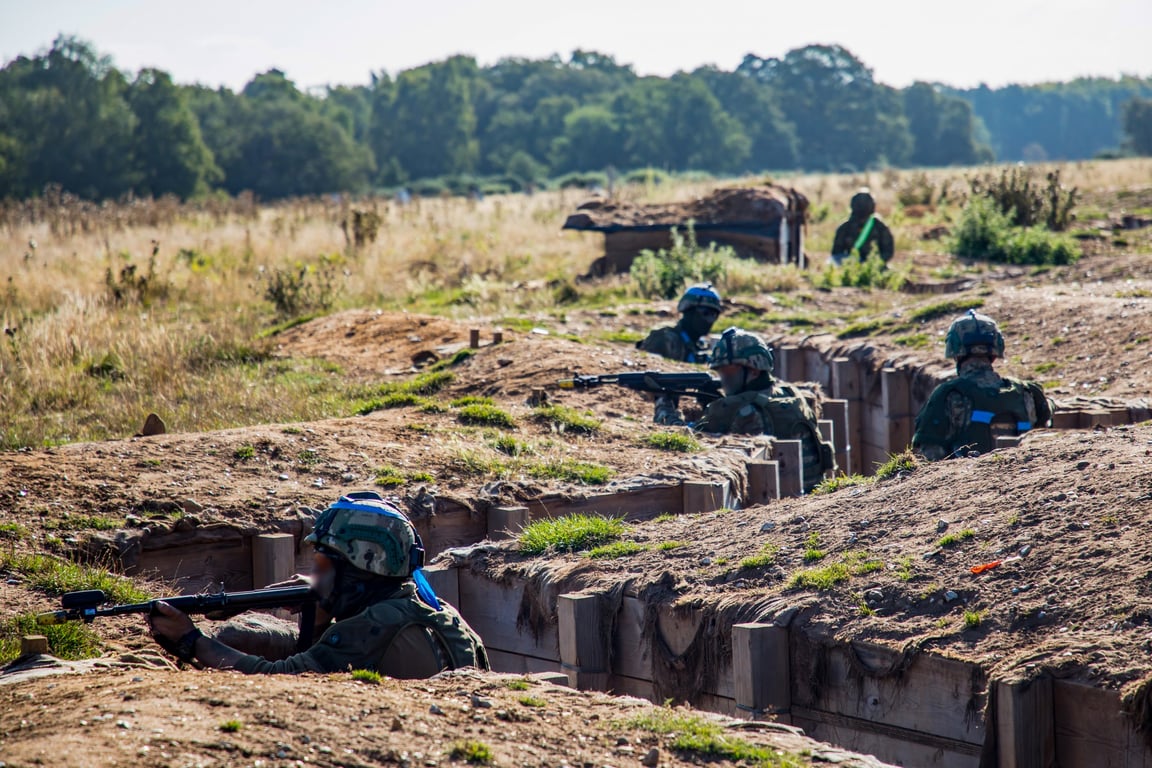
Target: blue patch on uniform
{"x":1023,"y":426}
{"x":982,"y":417}
{"x":334,"y":638}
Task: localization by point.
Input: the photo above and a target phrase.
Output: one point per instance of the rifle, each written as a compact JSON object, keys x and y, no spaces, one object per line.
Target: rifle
{"x":698,"y":385}
{"x":91,"y":604}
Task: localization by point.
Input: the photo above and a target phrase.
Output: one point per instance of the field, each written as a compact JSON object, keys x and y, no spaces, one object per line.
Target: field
{"x":280,"y":356}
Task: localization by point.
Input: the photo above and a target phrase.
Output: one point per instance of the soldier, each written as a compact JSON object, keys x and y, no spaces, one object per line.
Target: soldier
{"x":966,"y":414}
{"x":861,"y":231}
{"x":699,"y":308}
{"x":757,"y":403}
{"x":376,"y":610}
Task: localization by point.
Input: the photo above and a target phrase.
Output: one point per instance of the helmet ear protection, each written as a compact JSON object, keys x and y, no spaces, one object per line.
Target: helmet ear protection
{"x":369,"y":501}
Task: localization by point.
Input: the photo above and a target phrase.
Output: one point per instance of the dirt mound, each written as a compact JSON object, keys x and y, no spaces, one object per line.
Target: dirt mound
{"x":723,"y":206}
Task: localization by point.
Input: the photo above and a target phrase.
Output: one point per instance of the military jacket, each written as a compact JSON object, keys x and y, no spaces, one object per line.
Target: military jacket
{"x":880,"y":237}
{"x":674,"y":344}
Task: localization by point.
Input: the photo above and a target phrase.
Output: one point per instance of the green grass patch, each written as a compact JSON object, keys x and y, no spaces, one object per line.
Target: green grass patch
{"x":897,"y":463}
{"x":472,"y":462}
{"x":615,"y":549}
{"x":904,"y":568}
{"x":665,"y":517}
{"x":517,"y":685}
{"x":812,"y":551}
{"x":568,"y":419}
{"x":57,"y":576}
{"x":913,"y":340}
{"x":388,"y":477}
{"x":73,"y":640}
{"x":84,"y":523}
{"x":765,"y":557}
{"x":833,"y":484}
{"x":863,"y":328}
{"x":12,"y":531}
{"x":1047,"y":367}
{"x":944,"y":308}
{"x":244,"y":453}
{"x":622,"y":337}
{"x":971,"y":619}
{"x":286,"y":325}
{"x":369,"y":676}
{"x":532,"y":701}
{"x":231,"y":726}
{"x":678,"y":442}
{"x":854,"y":563}
{"x":481,"y":414}
{"x":872,"y":272}
{"x":571,"y":533}
{"x":450,"y":362}
{"x":952,"y":539}
{"x":510,"y":446}
{"x":668,"y":546}
{"x":569,"y":471}
{"x":710,"y":740}
{"x":475,"y":752}
{"x":460,"y":402}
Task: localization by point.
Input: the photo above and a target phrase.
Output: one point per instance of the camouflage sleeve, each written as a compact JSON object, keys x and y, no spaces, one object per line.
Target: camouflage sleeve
{"x":936,"y":424}
{"x":666,"y":343}
{"x":842,"y":243}
{"x":884,"y":241}
{"x":353,"y":643}
{"x":1043,"y":407}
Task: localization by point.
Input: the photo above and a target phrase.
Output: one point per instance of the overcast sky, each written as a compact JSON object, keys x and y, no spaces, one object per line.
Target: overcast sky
{"x":221,"y":42}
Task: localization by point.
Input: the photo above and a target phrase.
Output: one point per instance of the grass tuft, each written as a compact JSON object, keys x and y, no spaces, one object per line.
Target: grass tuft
{"x":475,"y":752}
{"x":615,"y":549}
{"x":668,"y":546}
{"x":854,"y":563}
{"x":710,"y":739}
{"x":369,"y":676}
{"x":570,"y":471}
{"x":231,"y":726}
{"x":952,"y":539}
{"x":944,"y":308}
{"x":571,"y":533}
{"x":532,"y":701}
{"x":72,"y":641}
{"x":833,"y":484}
{"x":565,"y":419}
{"x":485,"y":415}
{"x":57,"y":576}
{"x":897,"y":463}
{"x":766,"y":557}
{"x":672,"y":441}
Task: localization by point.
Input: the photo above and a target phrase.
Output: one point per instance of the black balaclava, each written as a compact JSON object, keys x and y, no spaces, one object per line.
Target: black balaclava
{"x":349,"y":590}
{"x":697,"y":324}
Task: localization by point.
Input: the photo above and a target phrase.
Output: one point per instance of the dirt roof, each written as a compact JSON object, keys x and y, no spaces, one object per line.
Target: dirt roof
{"x":748,"y":205}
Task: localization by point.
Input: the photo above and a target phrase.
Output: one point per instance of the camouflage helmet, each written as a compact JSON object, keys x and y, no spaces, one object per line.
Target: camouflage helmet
{"x":973,"y":334}
{"x":371,"y":534}
{"x":862,"y":203}
{"x":700,"y":295}
{"x":739,"y":347}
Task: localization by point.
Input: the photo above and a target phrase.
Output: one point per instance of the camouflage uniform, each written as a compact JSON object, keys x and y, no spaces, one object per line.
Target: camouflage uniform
{"x":675,"y":344}
{"x":966,"y":414}
{"x":685,"y":340}
{"x":863,"y":209}
{"x":765,"y":406}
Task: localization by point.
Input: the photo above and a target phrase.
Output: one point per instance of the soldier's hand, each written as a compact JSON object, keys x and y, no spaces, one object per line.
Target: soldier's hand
{"x":169,"y":623}
{"x":668,"y":411}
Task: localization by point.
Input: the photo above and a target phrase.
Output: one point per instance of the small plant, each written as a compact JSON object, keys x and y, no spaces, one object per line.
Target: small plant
{"x":569,"y":471}
{"x":518,"y":685}
{"x":510,"y":446}
{"x":56,"y":576}
{"x":421,"y":477}
{"x":664,"y":517}
{"x":12,"y":531}
{"x":668,"y":546}
{"x":615,"y":549}
{"x":475,"y":752}
{"x":485,"y":415}
{"x":369,"y":676}
{"x":71,"y":640}
{"x":944,"y":309}
{"x":971,"y":619}
{"x":897,"y":463}
{"x":1047,"y":367}
{"x":833,"y":484}
{"x":663,"y":274}
{"x":568,"y":420}
{"x":985,"y":233}
{"x":904,"y":568}
{"x":532,"y":701}
{"x":82,"y":523}
{"x":952,"y":539}
{"x":812,"y":551}
{"x":460,"y":402}
{"x":388,"y":477}
{"x":231,"y":726}
{"x":872,"y":272}
{"x":855,"y":563}
{"x":309,"y":458}
{"x":672,"y":441}
{"x":706,"y":737}
{"x":302,"y":289}
{"x":571,"y":533}
{"x":765,"y":557}
{"x":244,"y":453}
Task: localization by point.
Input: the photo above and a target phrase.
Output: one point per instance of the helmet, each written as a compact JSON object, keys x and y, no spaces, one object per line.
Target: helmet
{"x":739,"y":347}
{"x":700,"y":295}
{"x":862,"y":203}
{"x":973,"y":334}
{"x":371,"y":534}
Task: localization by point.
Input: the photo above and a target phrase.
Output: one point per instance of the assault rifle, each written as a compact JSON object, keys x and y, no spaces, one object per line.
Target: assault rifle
{"x":698,"y":385}
{"x":92,"y":604}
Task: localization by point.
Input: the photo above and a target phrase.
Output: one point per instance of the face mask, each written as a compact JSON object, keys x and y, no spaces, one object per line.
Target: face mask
{"x":733,"y":383}
{"x":697,"y":323}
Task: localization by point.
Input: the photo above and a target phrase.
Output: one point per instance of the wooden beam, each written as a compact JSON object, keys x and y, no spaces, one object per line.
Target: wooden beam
{"x":763,"y":482}
{"x":506,"y":522}
{"x":837,"y":411}
{"x":788,"y":456}
{"x":1066,"y":420}
{"x":704,"y":496}
{"x":494,"y":610}
{"x":846,"y":379}
{"x":761,"y":669}
{"x":583,"y":650}
{"x":896,"y":400}
{"x":633,"y":504}
{"x":790,"y":363}
{"x":1003,"y":441}
{"x":445,"y":583}
{"x":1025,"y":724}
{"x":1095,"y":418}
{"x":474,"y":338}
{"x":846,"y":387}
{"x":273,"y":558}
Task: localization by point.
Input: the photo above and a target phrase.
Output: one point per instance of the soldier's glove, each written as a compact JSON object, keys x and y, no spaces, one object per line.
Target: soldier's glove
{"x":668,"y":411}
{"x":184,"y":648}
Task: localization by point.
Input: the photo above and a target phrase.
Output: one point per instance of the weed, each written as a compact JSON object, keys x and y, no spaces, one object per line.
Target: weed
{"x":663,"y":274}
{"x":570,"y":534}
{"x":904,"y":568}
{"x":668,"y":546}
{"x":565,"y":419}
{"x":302,"y":289}
{"x":71,"y":640}
{"x":985,"y":233}
{"x":460,"y":402}
{"x":944,"y":309}
{"x":765,"y":557}
{"x":517,"y":685}
{"x":369,"y":676}
{"x":532,"y":701}
{"x":569,"y":471}
{"x":855,"y":563}
{"x":231,"y":726}
{"x":833,"y":484}
{"x":863,"y":328}
{"x":914,"y":340}
{"x":897,"y":463}
{"x":309,"y":458}
{"x":388,"y":477}
{"x":451,"y":362}
{"x":710,"y":739}
{"x":872,"y":272}
{"x":971,"y":619}
{"x":952,"y":539}
{"x":12,"y":531}
{"x":472,"y":462}
{"x":485,"y":415}
{"x":672,"y":441}
{"x":664,"y":517}
{"x":812,"y":551}
{"x":421,"y":477}
{"x":244,"y":453}
{"x":1047,"y":367}
{"x":615,"y":549}
{"x":57,"y":576}
{"x":475,"y":752}
{"x":510,"y":446}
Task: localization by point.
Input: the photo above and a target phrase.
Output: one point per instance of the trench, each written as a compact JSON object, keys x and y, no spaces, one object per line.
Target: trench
{"x":759,"y":661}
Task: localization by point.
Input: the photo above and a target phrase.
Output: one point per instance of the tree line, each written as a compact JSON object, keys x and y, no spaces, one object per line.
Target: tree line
{"x":69,"y":117}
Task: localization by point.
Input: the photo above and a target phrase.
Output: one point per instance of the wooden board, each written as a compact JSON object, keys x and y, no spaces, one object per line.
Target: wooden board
{"x":940,"y":697}
{"x":891,"y":746}
{"x":491,"y":610}
{"x":633,"y":505}
{"x":1092,"y":731}
{"x":517,"y":664}
{"x":452,"y":526}
{"x":642,"y":689}
{"x":198,"y":565}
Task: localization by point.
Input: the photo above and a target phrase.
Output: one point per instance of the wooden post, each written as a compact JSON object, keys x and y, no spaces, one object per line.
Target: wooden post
{"x":1066,"y":420}
{"x":474,"y":338}
{"x":897,"y":402}
{"x":506,"y":522}
{"x":446,"y":584}
{"x":763,"y":482}
{"x":761,"y":668}
{"x":1025,"y":724}
{"x":497,"y":337}
{"x":788,"y":455}
{"x":556,"y":678}
{"x":33,"y":645}
{"x":846,"y":386}
{"x":1003,"y":441}
{"x":837,"y":411}
{"x":790,"y":363}
{"x":1095,"y":418}
{"x":583,"y":650}
{"x":828,"y":435}
{"x":273,"y":558}
{"x":704,"y":496}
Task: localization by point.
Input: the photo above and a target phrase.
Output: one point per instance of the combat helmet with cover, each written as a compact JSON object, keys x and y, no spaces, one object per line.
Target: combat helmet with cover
{"x":739,"y":347}
{"x":370,"y":534}
{"x":700,"y":295}
{"x":973,"y":334}
{"x":862,"y":203}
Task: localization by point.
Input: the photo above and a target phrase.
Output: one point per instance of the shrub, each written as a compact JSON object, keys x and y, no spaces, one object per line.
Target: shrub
{"x":1023,"y":202}
{"x":853,"y":273}
{"x":986,"y":233}
{"x":664,"y":274}
{"x":302,"y":289}
{"x":368,"y":676}
{"x":571,"y":533}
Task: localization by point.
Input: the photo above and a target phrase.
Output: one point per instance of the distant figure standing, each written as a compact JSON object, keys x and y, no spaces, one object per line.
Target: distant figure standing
{"x":862,"y":230}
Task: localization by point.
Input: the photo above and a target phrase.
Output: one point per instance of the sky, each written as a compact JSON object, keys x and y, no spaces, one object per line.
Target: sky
{"x":341,"y":42}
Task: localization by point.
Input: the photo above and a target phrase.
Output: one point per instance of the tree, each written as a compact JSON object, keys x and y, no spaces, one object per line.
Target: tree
{"x":433,"y":121}
{"x":943,"y":128}
{"x":1138,"y":125}
{"x":591,"y":140}
{"x":170,"y":154}
{"x":754,"y":105}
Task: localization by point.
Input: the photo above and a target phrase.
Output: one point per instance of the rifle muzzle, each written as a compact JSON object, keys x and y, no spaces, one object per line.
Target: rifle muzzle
{"x":54,"y":617}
